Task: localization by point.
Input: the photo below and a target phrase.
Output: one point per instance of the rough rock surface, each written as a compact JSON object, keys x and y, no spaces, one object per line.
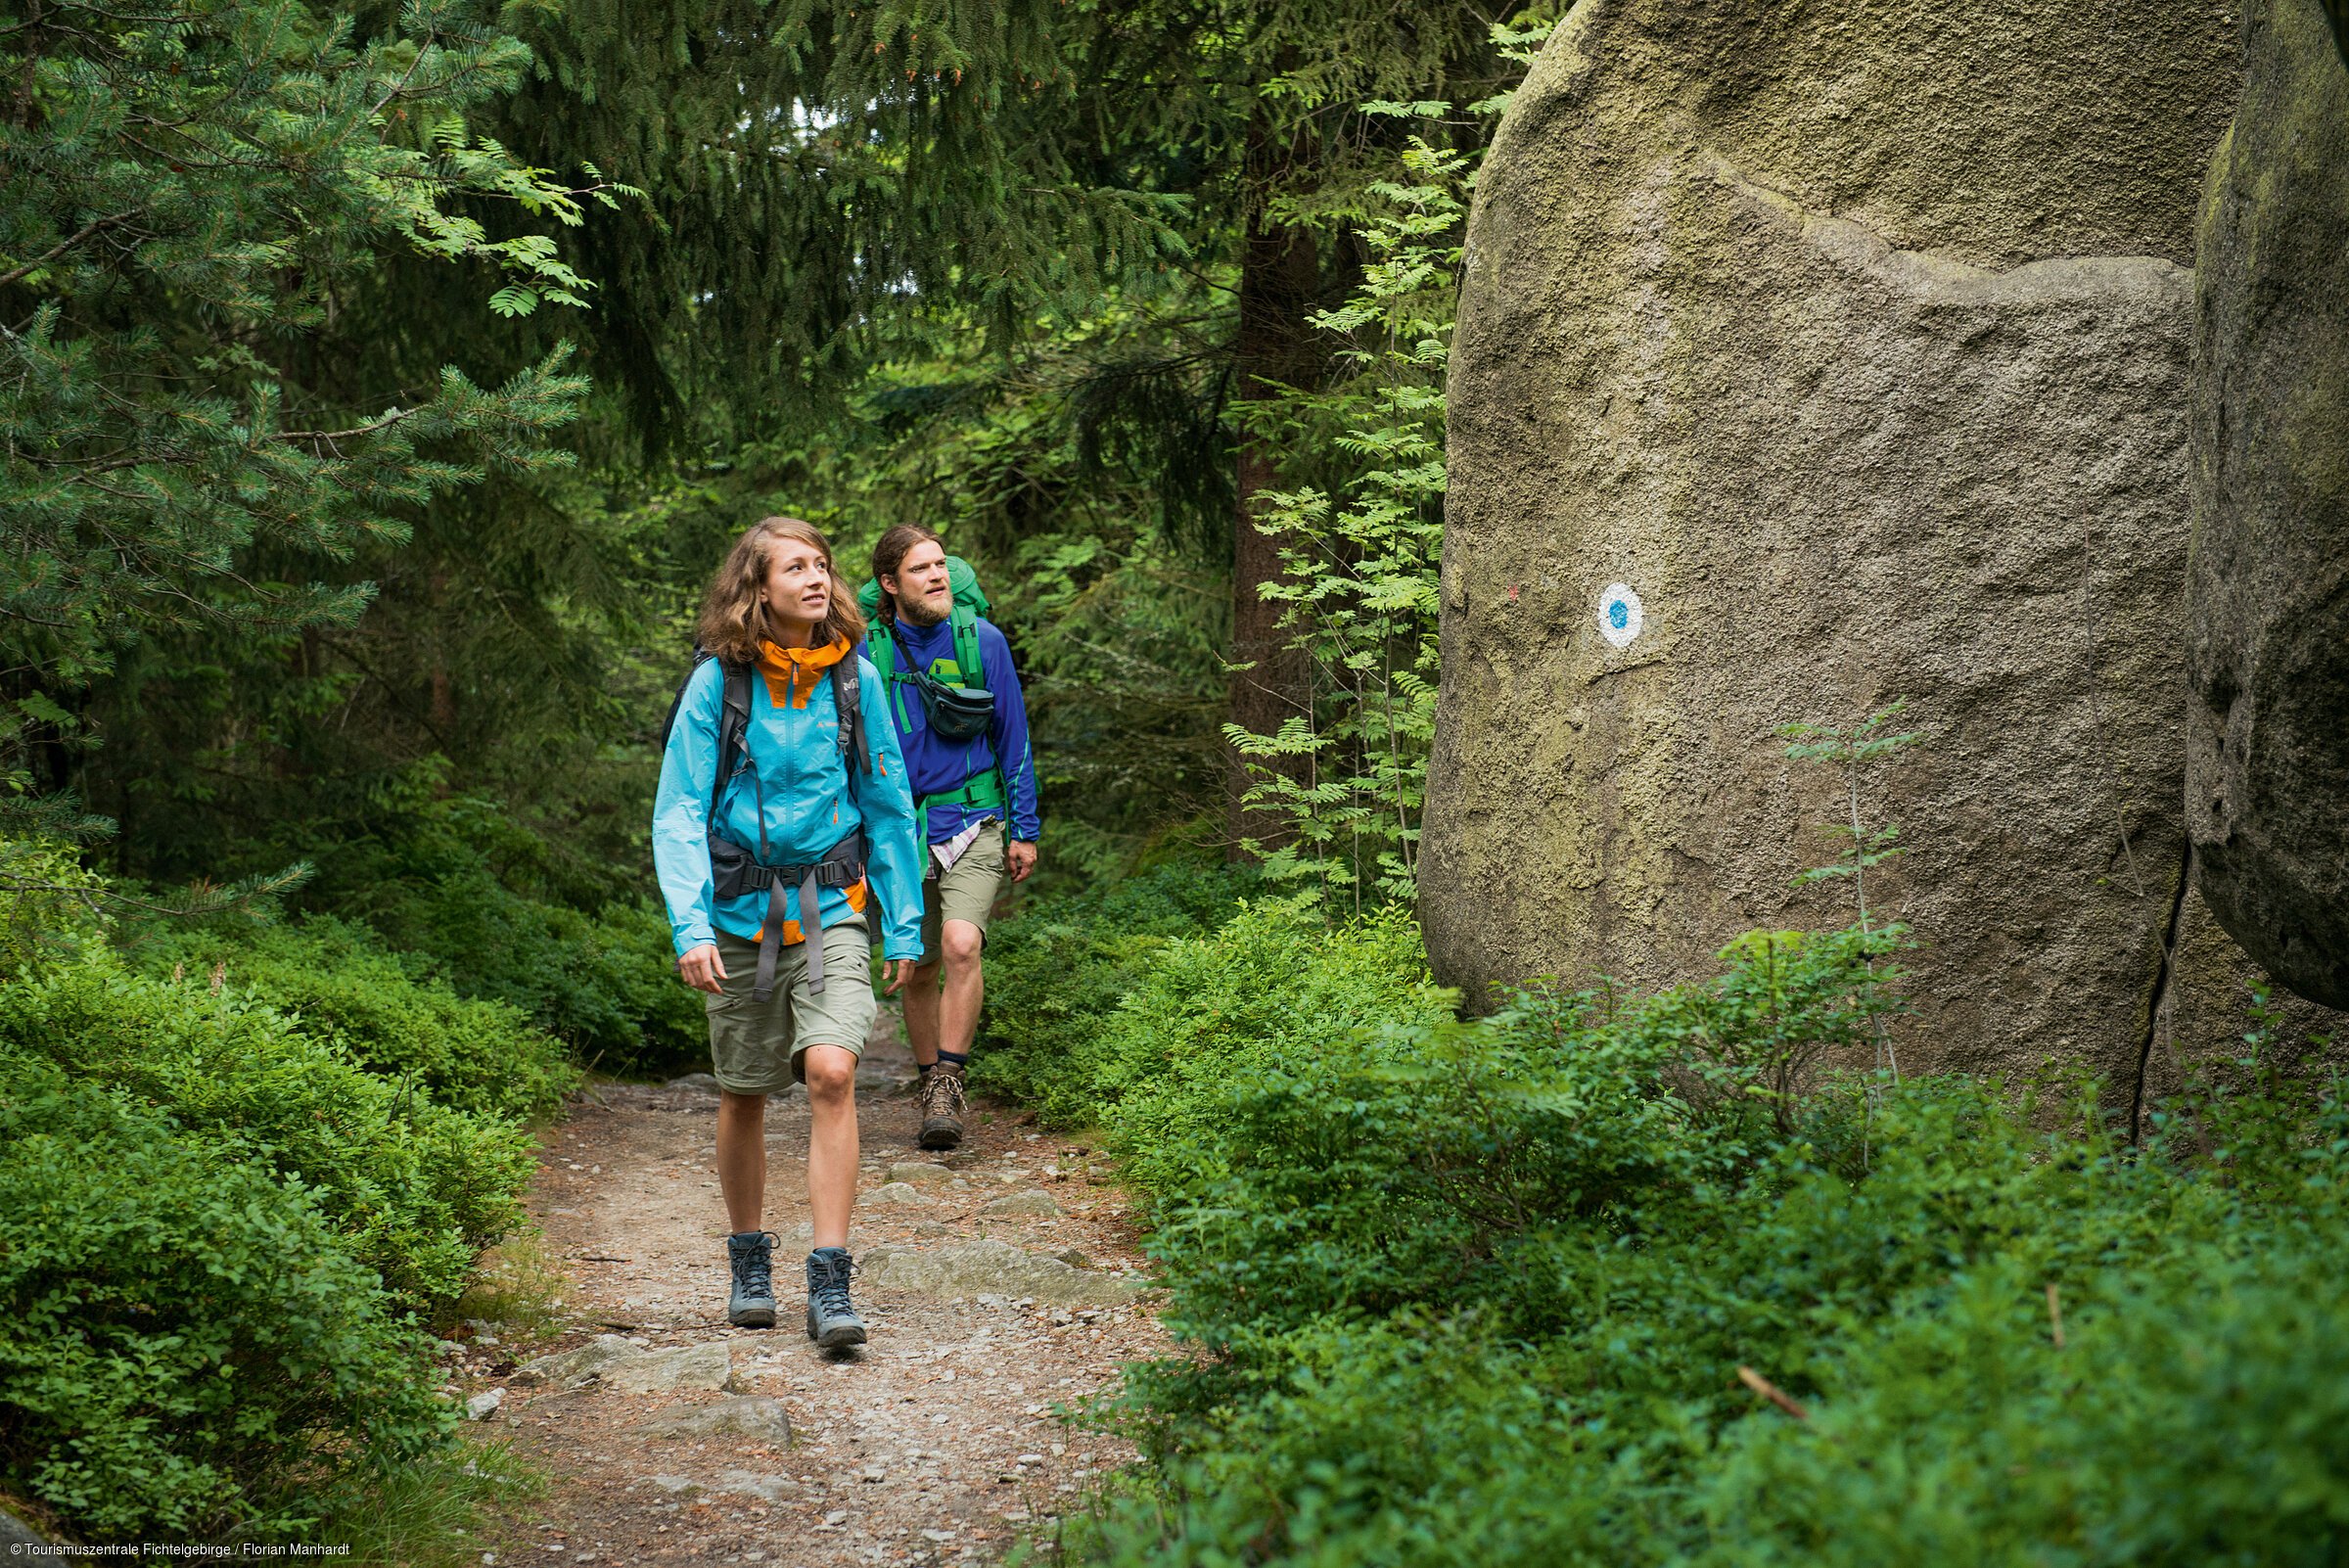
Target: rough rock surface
{"x":990,"y":1268}
{"x":1854,"y":343}
{"x":2268,"y":739}
{"x":1020,"y":1206}
{"x":17,"y":1535}
{"x":896,"y":1192}
{"x":746,"y":1416}
{"x":616,"y":1363}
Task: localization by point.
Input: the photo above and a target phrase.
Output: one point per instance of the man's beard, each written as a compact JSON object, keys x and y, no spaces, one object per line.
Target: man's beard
{"x":918,"y":611}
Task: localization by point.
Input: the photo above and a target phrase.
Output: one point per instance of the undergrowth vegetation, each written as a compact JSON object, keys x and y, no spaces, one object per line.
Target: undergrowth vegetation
{"x":243,"y":1181}
{"x":1606,"y":1278}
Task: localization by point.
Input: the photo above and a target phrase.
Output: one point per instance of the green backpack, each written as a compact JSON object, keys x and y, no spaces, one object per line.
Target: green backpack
{"x":957,"y":706}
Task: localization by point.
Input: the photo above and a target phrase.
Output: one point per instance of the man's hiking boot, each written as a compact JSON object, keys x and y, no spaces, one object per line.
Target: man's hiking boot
{"x":942,"y":1110}
{"x":831,"y":1321}
{"x":751,"y":1253}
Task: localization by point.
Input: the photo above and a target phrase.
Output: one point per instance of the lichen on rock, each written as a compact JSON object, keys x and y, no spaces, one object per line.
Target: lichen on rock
{"x":2267,"y":791}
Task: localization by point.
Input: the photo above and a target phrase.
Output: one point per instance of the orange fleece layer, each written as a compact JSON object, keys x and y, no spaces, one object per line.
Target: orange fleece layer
{"x":791,"y":672}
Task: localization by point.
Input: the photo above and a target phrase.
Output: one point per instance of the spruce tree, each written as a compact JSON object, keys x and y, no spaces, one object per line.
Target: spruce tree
{"x":189,"y":195}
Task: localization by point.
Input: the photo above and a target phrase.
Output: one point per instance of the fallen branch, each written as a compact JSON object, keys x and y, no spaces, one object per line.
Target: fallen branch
{"x":1771,"y":1392}
{"x":2054,"y":1314}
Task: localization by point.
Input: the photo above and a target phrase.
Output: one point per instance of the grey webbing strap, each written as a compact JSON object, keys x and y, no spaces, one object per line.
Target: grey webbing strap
{"x":811,"y":929}
{"x":771,"y":943}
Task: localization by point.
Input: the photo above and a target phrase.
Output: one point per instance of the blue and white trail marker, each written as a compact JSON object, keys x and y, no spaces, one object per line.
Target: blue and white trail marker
{"x":1618,"y":616}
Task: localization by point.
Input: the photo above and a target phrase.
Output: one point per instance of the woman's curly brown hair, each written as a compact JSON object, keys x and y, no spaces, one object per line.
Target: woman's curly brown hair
{"x":734,"y":620}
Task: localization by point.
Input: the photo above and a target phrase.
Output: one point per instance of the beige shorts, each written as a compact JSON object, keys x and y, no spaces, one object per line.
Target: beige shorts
{"x":754,"y":1046}
{"x":967,"y":892}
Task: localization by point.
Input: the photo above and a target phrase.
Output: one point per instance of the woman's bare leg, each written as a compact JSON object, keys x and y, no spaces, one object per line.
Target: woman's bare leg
{"x":831,"y":1142}
{"x":742,"y":1158}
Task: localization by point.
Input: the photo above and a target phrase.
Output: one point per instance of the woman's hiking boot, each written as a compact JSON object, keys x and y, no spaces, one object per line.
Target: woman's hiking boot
{"x":831,"y":1321}
{"x":941,"y":1109}
{"x":751,"y":1253}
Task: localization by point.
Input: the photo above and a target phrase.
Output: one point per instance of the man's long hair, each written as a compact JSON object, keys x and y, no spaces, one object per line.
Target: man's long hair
{"x":890,"y":554}
{"x":734,"y":620}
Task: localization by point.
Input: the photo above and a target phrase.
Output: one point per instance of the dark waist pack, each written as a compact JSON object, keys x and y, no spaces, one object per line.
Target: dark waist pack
{"x":955,"y":712}
{"x":736,"y":873}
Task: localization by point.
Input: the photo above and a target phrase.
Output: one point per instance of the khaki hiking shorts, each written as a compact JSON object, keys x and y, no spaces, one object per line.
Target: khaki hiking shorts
{"x":967,"y":892}
{"x":754,"y":1046}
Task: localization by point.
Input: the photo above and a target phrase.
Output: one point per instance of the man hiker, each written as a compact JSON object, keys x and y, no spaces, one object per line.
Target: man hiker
{"x":782,"y":791}
{"x":954,"y":699}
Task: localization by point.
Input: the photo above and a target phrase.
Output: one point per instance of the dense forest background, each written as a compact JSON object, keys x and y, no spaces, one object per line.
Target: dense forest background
{"x":378,"y":423}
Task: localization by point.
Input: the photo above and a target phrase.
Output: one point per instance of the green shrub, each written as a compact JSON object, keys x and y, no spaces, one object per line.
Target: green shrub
{"x":340,"y":983}
{"x":498,"y":909}
{"x":606,"y":983}
{"x":1464,"y":1293}
{"x":1214,"y":1017}
{"x":2194,"y":1415}
{"x":186,"y":1349}
{"x":415,"y":1187}
{"x":1055,"y":973}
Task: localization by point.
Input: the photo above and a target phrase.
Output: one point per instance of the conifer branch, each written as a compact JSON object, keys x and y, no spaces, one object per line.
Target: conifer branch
{"x":89,"y":231}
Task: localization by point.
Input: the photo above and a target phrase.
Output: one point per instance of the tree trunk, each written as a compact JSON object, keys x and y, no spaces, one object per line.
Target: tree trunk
{"x":1280,"y":276}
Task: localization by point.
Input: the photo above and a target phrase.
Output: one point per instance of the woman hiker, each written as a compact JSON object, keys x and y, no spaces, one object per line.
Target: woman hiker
{"x":782,"y":809}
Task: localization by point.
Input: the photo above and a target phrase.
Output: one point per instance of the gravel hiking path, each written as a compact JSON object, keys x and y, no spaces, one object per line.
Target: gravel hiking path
{"x":997,"y":1282}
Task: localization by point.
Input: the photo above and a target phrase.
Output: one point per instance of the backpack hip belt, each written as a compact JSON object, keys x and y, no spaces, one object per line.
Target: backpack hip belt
{"x":984,"y":791}
{"x":735,"y":874}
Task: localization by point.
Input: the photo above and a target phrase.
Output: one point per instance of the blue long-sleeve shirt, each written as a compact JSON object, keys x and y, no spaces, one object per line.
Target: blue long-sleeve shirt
{"x":939,"y":766}
{"x":793,"y":744}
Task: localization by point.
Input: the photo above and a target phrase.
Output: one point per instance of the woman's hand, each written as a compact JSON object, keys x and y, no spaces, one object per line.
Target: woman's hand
{"x":896,"y":971}
{"x":703,"y":969}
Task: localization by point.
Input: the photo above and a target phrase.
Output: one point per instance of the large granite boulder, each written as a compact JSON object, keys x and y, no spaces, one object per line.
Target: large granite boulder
{"x":1812,"y":356}
{"x":2267,"y":791}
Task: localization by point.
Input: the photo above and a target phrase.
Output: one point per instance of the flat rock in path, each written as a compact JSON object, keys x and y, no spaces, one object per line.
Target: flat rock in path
{"x":896,"y":1192}
{"x":746,"y":1416}
{"x":751,"y":1484}
{"x":1022,"y":1206}
{"x":997,"y":1267}
{"x":616,"y":1364}
{"x":575,"y":1368}
{"x":697,"y":1083}
{"x":921,"y":1175}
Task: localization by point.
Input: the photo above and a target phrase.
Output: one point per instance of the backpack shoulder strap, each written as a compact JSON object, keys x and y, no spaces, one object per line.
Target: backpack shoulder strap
{"x":855,"y":752}
{"x":733,"y":725}
{"x":965,"y":621}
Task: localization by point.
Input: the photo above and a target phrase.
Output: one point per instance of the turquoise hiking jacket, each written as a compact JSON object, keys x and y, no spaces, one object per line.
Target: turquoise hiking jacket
{"x":794,"y":743}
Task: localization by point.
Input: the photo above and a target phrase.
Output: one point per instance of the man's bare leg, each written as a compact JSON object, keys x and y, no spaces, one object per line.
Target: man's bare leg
{"x":920,"y":997}
{"x":965,"y":987}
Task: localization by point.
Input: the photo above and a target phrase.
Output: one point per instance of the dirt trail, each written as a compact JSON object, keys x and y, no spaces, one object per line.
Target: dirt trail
{"x":934,"y":1443}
